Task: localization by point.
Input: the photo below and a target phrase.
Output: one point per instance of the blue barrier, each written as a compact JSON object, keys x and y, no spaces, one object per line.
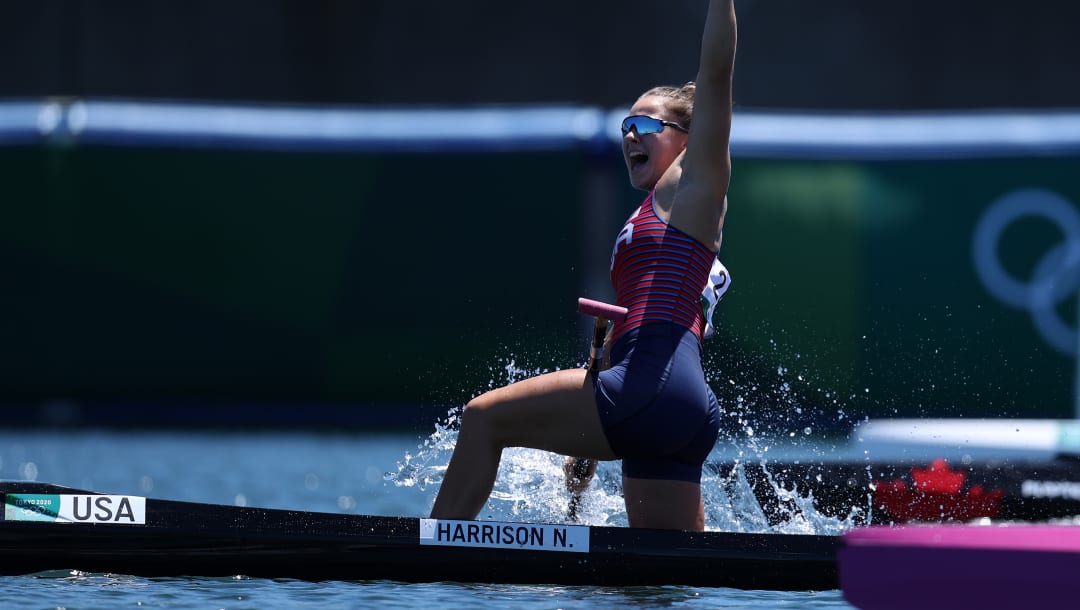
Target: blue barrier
{"x":28,"y":122}
{"x":328,"y":129}
{"x":905,"y":136}
{"x":539,"y":128}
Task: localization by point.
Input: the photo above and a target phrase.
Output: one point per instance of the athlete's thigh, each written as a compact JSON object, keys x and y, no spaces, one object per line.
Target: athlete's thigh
{"x":663,"y":504}
{"x":555,"y":411}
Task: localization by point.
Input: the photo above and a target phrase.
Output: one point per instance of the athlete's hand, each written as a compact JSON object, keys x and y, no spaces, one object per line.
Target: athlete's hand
{"x":579,"y":472}
{"x":605,"y":363}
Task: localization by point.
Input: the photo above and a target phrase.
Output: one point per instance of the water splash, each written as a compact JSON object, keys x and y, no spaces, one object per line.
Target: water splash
{"x":530,"y":483}
{"x":427,"y":466}
{"x":529,"y":487}
{"x":732,"y":504}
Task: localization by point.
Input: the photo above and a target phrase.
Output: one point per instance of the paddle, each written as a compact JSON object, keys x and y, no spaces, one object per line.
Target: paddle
{"x":581,"y":470}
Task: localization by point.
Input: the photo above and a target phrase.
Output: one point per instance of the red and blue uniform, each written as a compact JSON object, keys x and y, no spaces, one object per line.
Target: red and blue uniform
{"x":658,"y":413}
{"x":658,"y":273}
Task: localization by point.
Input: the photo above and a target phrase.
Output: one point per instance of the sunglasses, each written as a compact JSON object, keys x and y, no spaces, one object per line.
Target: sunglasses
{"x":647,"y":124}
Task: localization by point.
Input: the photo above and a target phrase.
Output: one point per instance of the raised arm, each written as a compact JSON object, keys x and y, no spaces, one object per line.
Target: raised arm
{"x":701,"y":196}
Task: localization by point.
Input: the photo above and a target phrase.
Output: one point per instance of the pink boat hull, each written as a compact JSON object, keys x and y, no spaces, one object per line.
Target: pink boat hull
{"x":961,"y":566}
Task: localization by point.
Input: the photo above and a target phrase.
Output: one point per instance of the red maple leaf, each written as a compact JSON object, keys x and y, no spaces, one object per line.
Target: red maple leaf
{"x":938,"y":478}
{"x":937,"y":495}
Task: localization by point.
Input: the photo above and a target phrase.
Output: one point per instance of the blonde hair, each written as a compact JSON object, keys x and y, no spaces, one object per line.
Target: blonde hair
{"x":680,"y":101}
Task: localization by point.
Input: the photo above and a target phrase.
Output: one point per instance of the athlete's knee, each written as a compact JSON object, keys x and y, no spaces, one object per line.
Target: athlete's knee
{"x":483,"y":417}
{"x":476,"y":417}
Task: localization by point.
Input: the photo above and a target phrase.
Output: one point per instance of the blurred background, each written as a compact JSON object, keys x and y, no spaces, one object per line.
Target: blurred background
{"x":327,"y":214}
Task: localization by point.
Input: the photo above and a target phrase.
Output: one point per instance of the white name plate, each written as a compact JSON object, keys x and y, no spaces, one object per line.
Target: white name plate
{"x":498,"y":535}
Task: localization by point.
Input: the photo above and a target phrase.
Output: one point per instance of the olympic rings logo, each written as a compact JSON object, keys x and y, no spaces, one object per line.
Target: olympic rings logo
{"x":1056,"y":276}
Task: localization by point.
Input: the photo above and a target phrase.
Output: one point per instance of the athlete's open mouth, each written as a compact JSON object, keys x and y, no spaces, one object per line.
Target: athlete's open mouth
{"x":637,"y":158}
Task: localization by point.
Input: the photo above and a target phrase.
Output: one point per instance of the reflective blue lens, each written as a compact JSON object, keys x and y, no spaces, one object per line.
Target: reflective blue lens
{"x":643,"y":125}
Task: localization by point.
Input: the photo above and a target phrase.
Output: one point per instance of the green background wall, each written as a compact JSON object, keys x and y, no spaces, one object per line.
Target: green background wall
{"x":860,"y":276}
{"x":388,"y":280}
{"x":248,"y":276}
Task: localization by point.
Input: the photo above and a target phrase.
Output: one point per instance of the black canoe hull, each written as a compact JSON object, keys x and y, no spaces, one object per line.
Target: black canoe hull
{"x":194,"y":539}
